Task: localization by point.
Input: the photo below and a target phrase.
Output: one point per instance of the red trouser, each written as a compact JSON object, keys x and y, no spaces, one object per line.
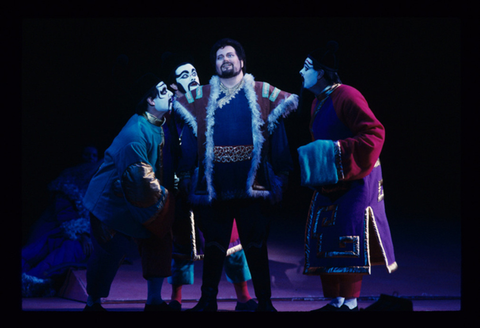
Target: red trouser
{"x":156,"y":251}
{"x":341,"y":285}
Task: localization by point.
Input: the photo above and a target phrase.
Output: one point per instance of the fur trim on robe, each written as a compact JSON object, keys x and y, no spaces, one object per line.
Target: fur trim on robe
{"x":283,"y":109}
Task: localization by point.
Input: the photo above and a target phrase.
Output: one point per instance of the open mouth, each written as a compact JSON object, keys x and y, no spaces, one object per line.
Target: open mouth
{"x":193,"y":85}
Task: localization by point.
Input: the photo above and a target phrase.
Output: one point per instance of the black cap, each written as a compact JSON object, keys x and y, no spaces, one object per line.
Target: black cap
{"x":171,"y":61}
{"x":325,"y":57}
{"x":143,"y":85}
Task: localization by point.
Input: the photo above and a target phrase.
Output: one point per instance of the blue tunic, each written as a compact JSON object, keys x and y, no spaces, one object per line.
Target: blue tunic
{"x":250,"y":118}
{"x":138,"y":142}
{"x":233,"y":127}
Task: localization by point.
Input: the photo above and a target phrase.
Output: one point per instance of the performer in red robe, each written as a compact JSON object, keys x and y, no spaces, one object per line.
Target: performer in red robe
{"x":347,"y":229}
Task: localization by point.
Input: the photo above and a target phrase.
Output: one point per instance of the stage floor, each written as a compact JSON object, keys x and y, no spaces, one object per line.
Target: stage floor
{"x":282,"y":305}
{"x":428,"y":253}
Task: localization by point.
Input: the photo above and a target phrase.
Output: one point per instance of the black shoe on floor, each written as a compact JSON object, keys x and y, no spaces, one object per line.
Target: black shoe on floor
{"x":327,"y":308}
{"x":248,"y":306}
{"x":345,"y":308}
{"x":95,"y":307}
{"x":175,"y":305}
{"x":265,"y":306}
{"x":390,"y":303}
{"x":163,"y":307}
{"x":205,"y":305}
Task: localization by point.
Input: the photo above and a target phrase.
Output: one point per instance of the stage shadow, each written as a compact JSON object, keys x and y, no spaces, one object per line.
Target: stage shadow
{"x":278,"y":273}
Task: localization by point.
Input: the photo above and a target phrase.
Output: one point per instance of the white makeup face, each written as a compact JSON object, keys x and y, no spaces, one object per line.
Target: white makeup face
{"x":186,"y":76}
{"x":227,"y":62}
{"x":163,"y":101}
{"x":309,"y":74}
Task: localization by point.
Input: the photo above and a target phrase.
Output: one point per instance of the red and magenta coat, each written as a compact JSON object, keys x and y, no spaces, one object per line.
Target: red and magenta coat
{"x":347,"y":229}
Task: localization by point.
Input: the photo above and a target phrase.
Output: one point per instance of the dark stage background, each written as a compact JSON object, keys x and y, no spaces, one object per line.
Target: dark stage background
{"x":408,"y":69}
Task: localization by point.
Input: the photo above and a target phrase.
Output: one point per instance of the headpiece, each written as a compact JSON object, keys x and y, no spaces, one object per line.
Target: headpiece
{"x":171,"y":61}
{"x":325,"y":57}
{"x":143,"y":85}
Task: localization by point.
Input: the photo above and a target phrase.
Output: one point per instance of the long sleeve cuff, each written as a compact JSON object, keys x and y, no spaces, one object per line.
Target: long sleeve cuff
{"x":318,"y":163}
{"x":161,"y":222}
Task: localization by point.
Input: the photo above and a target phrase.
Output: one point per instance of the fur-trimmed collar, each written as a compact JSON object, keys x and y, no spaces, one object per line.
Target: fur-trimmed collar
{"x":258,"y":139}
{"x":284,"y":107}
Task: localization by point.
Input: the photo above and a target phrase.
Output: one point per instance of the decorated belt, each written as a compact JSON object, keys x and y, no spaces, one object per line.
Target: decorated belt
{"x":232,"y":154}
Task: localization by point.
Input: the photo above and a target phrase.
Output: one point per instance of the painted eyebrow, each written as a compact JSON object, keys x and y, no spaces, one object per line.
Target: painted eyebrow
{"x":163,"y":91}
{"x":161,"y":87}
{"x":185,"y":71}
{"x":308,"y":67}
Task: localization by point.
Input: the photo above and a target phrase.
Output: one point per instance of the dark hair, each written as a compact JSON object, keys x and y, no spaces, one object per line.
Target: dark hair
{"x":331,"y":77}
{"x":228,"y":42}
{"x":144,"y":87}
{"x":142,"y":104}
{"x":326,"y":60}
{"x":171,"y":61}
{"x":172,"y":76}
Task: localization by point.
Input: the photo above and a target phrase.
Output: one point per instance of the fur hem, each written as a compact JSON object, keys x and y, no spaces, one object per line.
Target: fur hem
{"x":189,"y":119}
{"x":257,"y":123}
{"x":258,"y":138}
{"x":284,"y":108}
{"x":36,"y":287}
{"x":74,"y":228}
{"x":209,"y":143}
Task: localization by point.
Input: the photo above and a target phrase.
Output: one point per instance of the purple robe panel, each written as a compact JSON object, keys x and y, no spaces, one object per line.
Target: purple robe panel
{"x":350,"y":233}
